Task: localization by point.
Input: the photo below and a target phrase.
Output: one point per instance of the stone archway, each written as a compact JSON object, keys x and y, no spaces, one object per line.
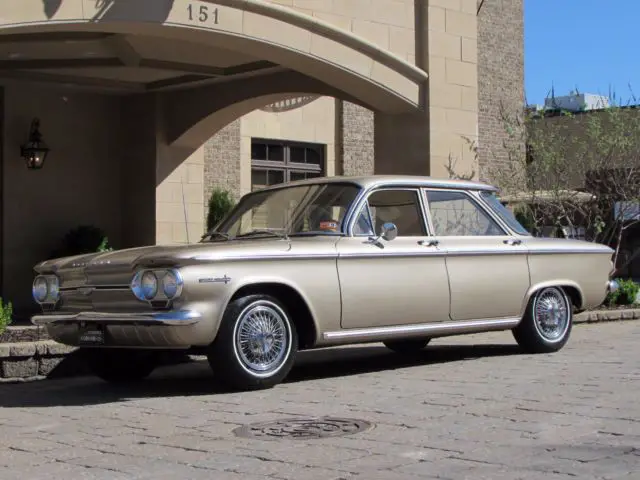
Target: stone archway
{"x":159,"y":45}
{"x":130,"y":87}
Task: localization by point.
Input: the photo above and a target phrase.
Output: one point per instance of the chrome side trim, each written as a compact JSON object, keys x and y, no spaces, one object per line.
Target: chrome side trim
{"x":426,"y":253}
{"x":286,"y":256}
{"x":439,"y":329}
{"x":332,"y":255}
{"x":569,"y":250}
{"x":176,"y":317}
{"x":466,"y":253}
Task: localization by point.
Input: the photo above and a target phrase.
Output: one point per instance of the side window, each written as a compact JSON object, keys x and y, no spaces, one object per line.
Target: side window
{"x":363,"y":226}
{"x":456,"y":214}
{"x":402,"y":207}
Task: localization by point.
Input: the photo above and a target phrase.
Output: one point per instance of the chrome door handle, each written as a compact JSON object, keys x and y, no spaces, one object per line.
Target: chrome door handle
{"x":513,"y":241}
{"x":429,"y":243}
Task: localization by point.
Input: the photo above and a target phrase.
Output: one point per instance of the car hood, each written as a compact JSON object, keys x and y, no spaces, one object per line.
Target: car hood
{"x":166,"y":255}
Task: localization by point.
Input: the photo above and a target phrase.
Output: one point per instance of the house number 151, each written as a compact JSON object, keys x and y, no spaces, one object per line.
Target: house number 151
{"x":203,"y":14}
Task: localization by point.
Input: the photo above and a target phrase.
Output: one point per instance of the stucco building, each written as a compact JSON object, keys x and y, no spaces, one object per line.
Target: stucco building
{"x":147,"y":105}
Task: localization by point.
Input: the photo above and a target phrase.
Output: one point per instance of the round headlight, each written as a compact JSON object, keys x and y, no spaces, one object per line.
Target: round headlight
{"x":40,"y":289}
{"x":149,"y":285}
{"x":54,"y":288}
{"x":135,"y":286}
{"x":171,"y":284}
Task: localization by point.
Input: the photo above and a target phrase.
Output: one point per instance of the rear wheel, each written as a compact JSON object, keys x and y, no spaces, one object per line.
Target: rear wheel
{"x":120,"y":365}
{"x":407,"y":346}
{"x":256,"y":344}
{"x":547,"y":323}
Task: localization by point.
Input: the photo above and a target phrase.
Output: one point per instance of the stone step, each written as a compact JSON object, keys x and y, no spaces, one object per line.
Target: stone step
{"x":27,"y":333}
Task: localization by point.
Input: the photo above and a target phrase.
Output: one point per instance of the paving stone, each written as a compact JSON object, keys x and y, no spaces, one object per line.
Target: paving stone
{"x":467,"y":408}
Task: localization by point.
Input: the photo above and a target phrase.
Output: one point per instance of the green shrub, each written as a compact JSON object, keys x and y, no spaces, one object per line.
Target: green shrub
{"x":6,"y":314}
{"x":82,"y":239}
{"x":104,"y":245}
{"x":626,"y":294}
{"x":220,"y":203}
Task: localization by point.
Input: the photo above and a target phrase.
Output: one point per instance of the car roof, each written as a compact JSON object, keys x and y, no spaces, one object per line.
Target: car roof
{"x":370,"y":181}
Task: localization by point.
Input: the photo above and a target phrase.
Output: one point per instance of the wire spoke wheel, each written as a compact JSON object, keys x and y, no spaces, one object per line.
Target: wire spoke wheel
{"x":262,"y":338}
{"x":546,"y":325}
{"x":551,"y":314}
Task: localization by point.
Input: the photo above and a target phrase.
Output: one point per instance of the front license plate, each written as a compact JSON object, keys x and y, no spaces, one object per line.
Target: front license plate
{"x":92,"y":337}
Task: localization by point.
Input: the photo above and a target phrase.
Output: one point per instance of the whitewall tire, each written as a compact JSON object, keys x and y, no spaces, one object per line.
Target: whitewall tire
{"x":256,"y":344}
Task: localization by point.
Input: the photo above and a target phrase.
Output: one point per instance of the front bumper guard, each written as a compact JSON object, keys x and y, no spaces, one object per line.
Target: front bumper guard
{"x":170,"y":318}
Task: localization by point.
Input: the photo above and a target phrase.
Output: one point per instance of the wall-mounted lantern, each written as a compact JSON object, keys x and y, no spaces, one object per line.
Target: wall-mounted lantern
{"x":35,"y":150}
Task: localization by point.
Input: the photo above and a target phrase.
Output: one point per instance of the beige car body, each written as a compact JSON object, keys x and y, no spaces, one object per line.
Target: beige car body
{"x":339,"y":290}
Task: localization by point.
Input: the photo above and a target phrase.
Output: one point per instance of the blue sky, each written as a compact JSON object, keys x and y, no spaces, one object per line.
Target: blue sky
{"x":591,"y":45}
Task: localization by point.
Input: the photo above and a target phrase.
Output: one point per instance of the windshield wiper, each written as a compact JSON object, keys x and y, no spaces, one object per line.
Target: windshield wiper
{"x":212,"y":234}
{"x":266,"y":231}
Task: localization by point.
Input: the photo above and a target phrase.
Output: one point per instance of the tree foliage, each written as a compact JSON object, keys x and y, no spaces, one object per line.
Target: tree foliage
{"x":574,"y":171}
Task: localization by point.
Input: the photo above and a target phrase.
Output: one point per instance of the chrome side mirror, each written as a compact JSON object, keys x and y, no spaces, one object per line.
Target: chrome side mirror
{"x":389,"y":231}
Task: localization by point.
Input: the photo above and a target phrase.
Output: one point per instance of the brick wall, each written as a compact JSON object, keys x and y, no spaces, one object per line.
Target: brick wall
{"x":355,"y":139}
{"x":222,"y":162}
{"x":500,"y":77}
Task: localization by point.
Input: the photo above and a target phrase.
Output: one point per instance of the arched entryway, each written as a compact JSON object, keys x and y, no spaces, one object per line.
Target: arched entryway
{"x":125,"y":91}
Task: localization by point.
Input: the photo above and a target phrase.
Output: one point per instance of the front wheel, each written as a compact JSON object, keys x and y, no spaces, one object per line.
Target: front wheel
{"x":547,"y":323}
{"x":120,"y":365}
{"x":256,"y":344}
{"x":407,"y":346}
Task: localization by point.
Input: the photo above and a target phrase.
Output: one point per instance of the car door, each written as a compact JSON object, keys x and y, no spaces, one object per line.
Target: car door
{"x":487,"y":266}
{"x":396,"y":282}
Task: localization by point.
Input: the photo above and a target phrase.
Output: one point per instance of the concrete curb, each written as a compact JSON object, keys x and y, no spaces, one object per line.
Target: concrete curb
{"x":36,"y":360}
{"x":595,"y":316}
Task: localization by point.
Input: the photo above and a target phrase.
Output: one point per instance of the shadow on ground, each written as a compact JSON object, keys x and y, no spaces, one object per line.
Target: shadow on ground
{"x":196,"y":378}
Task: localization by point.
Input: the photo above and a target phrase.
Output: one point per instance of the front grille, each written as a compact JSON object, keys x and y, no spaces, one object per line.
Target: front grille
{"x":100,"y":299}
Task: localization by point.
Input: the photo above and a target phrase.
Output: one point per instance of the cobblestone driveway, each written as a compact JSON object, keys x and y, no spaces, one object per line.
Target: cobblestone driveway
{"x":470,"y":407}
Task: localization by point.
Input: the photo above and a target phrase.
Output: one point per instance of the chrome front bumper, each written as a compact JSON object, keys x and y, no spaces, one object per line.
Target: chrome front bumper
{"x":612,"y":286}
{"x":169,"y":329}
{"x":170,"y":318}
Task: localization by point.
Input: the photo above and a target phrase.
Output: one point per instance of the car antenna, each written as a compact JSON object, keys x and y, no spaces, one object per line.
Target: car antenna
{"x":184,"y":208}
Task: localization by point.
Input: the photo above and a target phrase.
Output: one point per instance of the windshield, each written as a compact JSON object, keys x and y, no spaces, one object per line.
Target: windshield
{"x":504,"y":213}
{"x":317,"y":209}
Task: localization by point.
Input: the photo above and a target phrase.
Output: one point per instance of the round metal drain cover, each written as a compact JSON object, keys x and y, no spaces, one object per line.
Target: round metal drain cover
{"x":303,"y":428}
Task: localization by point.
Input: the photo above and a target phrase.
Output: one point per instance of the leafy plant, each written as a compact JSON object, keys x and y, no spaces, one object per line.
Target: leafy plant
{"x":625,"y":295}
{"x":221,"y":202}
{"x":83,"y":239}
{"x":104,"y":245}
{"x":6,"y":314}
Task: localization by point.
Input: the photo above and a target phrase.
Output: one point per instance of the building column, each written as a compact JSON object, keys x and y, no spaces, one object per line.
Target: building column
{"x":446,"y":131}
{"x":222,"y":161}
{"x":402,"y":144}
{"x":138,"y":157}
{"x":354,"y":139}
{"x":452,"y":34}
